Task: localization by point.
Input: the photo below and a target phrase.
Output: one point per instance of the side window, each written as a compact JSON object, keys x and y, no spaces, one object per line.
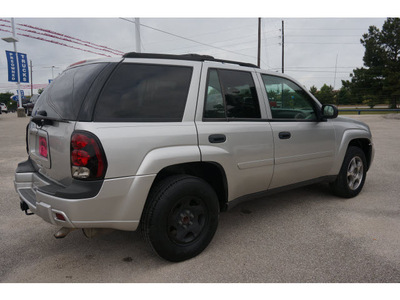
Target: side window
{"x":231,"y":95}
{"x":287,"y":100}
{"x":144,"y":93}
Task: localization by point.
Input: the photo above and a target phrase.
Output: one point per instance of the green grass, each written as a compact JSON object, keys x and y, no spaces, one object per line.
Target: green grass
{"x":367,"y":112}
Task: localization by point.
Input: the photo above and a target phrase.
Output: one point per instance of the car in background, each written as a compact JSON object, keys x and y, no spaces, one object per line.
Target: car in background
{"x":30,"y":104}
{"x":3,"y":108}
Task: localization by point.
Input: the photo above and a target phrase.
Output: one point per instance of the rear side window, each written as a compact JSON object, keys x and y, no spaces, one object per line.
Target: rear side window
{"x":231,"y":95}
{"x":64,"y":96}
{"x":144,"y":93}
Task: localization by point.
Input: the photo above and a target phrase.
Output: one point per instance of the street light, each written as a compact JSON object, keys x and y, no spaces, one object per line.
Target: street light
{"x":14,"y":40}
{"x":10,"y":39}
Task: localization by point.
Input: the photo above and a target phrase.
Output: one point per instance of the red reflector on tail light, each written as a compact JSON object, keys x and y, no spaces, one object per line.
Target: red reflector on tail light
{"x":60,"y":217}
{"x":43,"y":146}
{"x":88,"y":160}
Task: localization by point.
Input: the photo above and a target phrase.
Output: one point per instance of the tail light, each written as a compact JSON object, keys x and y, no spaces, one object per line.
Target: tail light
{"x":43,"y":146}
{"x":88,"y":160}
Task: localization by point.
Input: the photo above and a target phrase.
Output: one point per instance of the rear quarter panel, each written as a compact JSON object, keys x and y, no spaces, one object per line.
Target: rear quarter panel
{"x":143,"y":149}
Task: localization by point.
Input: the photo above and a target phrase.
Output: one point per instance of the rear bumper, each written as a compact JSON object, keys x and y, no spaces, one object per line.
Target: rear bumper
{"x":110,"y":203}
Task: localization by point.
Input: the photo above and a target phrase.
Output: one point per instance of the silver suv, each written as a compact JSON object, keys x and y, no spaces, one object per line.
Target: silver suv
{"x":167,"y":142}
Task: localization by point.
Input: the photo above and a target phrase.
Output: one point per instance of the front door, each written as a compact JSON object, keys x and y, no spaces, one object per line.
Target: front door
{"x":304,"y":146}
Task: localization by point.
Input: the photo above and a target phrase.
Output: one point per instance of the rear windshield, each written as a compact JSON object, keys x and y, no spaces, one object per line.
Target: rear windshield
{"x":144,"y":93}
{"x":64,"y":96}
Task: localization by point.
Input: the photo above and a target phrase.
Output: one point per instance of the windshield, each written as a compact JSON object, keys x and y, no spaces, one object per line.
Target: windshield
{"x":63,"y":98}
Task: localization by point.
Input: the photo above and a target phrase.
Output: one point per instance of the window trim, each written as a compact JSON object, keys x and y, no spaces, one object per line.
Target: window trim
{"x":228,"y":119}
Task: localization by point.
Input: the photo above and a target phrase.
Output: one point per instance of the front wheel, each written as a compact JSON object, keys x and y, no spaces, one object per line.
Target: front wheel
{"x":180,"y":217}
{"x":351,"y":177}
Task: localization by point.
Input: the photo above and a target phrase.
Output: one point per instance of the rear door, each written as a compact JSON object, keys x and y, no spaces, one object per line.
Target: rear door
{"x":304,"y":147}
{"x":233,"y":129}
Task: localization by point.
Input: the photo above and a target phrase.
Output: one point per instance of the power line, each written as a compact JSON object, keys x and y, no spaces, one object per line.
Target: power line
{"x":313,"y":71}
{"x":323,"y":43}
{"x":336,"y":29}
{"x":188,"y":39}
{"x":327,"y":36}
{"x":55,"y":42}
{"x":104,"y":48}
{"x":59,"y":36}
{"x":316,"y":67}
{"x":229,"y":44}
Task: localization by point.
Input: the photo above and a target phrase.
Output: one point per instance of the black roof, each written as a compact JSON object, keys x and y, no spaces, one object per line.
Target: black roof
{"x":192,"y":57}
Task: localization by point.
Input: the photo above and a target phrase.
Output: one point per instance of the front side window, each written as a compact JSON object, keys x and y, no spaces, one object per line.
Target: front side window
{"x":287,"y":100}
{"x":144,"y":93}
{"x":231,"y":95}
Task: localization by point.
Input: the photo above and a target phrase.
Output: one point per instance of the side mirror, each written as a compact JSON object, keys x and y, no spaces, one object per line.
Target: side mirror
{"x":329,"y":111}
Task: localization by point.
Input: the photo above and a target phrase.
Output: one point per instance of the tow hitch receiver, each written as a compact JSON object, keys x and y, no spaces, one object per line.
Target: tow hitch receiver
{"x":25,"y":207}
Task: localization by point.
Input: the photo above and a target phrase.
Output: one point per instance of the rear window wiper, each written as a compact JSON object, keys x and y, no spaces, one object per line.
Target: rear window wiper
{"x":41,"y":119}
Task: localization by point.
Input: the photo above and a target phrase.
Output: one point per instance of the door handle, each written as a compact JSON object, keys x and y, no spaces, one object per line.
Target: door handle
{"x":217,"y":138}
{"x":284,"y":135}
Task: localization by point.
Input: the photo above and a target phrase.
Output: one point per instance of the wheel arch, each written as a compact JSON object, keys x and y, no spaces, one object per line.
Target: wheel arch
{"x":212,"y":173}
{"x":366,"y":146}
{"x":358,"y":138}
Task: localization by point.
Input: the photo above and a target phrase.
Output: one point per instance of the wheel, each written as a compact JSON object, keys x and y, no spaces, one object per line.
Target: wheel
{"x":352,"y":174}
{"x":180,"y":217}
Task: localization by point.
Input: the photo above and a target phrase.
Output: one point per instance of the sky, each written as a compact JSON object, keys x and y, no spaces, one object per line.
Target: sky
{"x":318,"y":48}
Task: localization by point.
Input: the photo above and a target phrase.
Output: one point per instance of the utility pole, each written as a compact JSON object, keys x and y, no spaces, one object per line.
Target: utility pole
{"x":334,"y":80}
{"x":137,"y":35}
{"x":283,"y":48}
{"x":259,"y":43}
{"x":30,"y":65}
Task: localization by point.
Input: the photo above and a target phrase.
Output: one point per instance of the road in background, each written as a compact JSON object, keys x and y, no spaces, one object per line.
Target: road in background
{"x":303,"y":235}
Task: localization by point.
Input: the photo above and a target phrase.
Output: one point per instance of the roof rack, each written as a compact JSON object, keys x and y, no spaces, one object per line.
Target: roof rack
{"x":193,"y":57}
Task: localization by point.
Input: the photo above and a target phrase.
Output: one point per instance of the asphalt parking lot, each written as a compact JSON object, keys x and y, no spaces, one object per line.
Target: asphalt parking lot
{"x":303,"y":235}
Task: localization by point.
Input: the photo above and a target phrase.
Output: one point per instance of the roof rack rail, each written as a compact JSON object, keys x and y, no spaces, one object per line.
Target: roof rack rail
{"x":190,"y":56}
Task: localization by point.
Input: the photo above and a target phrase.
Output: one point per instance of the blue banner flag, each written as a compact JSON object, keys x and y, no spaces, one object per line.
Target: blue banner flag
{"x":23,"y":68}
{"x":13,"y":73}
{"x":12,"y":66}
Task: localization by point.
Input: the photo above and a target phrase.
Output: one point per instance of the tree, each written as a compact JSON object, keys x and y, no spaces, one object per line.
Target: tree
{"x":314,"y":90}
{"x":343,"y":96}
{"x":326,"y":95}
{"x":379,"y":79}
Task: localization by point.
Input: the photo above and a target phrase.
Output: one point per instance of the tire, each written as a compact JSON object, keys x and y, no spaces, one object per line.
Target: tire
{"x":180,"y":217}
{"x":351,"y":177}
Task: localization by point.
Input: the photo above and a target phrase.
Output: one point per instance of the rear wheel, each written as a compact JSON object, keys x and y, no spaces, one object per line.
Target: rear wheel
{"x":180,"y":217}
{"x":352,"y":174}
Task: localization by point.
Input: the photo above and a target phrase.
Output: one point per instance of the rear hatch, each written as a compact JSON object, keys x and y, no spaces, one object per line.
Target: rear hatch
{"x":54,"y":117}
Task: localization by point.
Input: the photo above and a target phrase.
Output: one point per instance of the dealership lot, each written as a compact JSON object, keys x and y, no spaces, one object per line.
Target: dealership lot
{"x":303,"y":235}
